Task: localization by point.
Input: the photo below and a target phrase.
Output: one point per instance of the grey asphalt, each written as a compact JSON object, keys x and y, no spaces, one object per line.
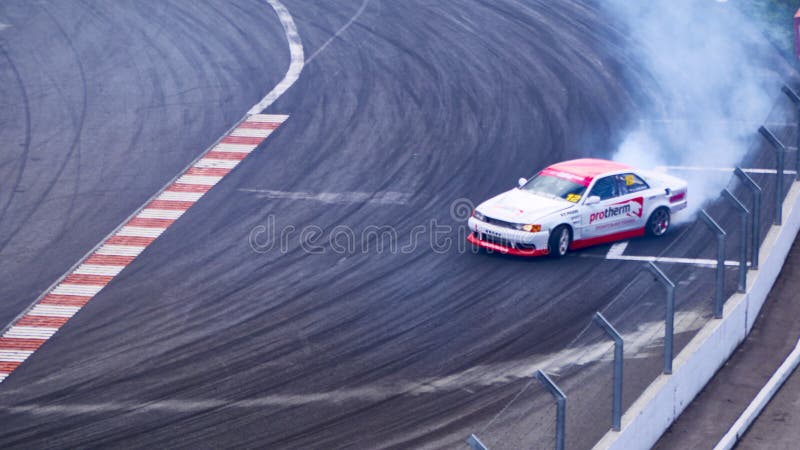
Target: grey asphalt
{"x":723,"y":400}
{"x":205,"y":342}
{"x":102,"y":105}
{"x":778,"y":426}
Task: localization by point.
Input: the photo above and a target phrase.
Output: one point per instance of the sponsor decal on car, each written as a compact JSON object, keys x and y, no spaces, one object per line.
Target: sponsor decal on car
{"x":628,"y":208}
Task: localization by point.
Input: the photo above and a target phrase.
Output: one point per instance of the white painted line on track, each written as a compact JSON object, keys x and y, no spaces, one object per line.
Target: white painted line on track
{"x":54,"y":310}
{"x":251,"y":132}
{"x":617,"y":249}
{"x":234,"y":148}
{"x":198,"y":179}
{"x":93,"y":269}
{"x":296,"y":58}
{"x":120,"y":250}
{"x":211,"y":163}
{"x":14,"y":355}
{"x":150,"y":213}
{"x":724,"y":169}
{"x":267,"y":118}
{"x":140,"y":231}
{"x":77,"y":289}
{"x":180,"y":196}
{"x":25,"y":332}
{"x":709,"y":263}
{"x":616,"y":253}
{"x":339,"y":31}
{"x":746,"y":123}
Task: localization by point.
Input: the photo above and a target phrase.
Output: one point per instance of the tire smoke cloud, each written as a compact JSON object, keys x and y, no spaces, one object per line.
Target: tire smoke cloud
{"x":708,"y":85}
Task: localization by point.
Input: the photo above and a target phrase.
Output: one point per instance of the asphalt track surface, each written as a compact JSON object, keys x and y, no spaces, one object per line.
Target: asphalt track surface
{"x":203,"y":341}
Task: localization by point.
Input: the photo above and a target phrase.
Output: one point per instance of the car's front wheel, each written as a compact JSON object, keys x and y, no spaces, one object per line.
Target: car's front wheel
{"x":560,"y":239}
{"x":658,"y":223}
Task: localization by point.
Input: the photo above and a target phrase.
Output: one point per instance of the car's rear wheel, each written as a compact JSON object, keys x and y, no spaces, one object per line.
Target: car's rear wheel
{"x":560,"y":239}
{"x":658,"y":223}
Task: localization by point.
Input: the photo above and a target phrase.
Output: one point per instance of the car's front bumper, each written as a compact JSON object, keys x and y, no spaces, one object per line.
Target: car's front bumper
{"x":507,"y":240}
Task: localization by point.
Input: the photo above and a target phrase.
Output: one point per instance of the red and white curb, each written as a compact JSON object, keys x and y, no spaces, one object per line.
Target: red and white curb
{"x":62,"y":301}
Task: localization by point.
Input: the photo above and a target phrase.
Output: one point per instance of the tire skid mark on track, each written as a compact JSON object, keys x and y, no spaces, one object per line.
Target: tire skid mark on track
{"x":639,"y":343}
{"x":40,"y":321}
{"x":380,"y":198}
{"x":27,"y":143}
{"x":79,"y":117}
{"x":62,"y":301}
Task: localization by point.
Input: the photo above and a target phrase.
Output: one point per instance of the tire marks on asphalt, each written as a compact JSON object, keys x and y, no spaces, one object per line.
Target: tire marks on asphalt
{"x":639,"y":343}
{"x":65,"y":299}
{"x":32,"y":328}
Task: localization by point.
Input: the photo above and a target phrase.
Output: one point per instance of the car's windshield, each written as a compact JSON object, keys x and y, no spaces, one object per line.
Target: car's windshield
{"x":555,"y":187}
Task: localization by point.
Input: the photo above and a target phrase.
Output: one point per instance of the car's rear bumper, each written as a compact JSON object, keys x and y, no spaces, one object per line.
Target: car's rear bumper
{"x":675,"y":207}
{"x":678,"y":201}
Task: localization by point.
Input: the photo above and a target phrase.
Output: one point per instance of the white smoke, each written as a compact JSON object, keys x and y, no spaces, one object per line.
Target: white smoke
{"x":708,"y":87}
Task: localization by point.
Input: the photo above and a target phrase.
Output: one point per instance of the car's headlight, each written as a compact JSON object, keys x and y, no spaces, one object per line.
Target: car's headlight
{"x":533,"y":228}
{"x":478,"y":215}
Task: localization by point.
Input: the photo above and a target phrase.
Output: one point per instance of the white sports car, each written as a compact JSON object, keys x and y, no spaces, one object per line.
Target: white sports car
{"x":575,"y":204}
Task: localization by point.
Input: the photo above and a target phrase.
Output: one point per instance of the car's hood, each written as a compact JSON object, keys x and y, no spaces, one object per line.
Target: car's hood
{"x":518,"y":206}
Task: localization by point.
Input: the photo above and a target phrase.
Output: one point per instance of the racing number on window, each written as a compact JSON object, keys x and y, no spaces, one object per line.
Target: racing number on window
{"x":605,"y":188}
{"x":629,"y":179}
{"x":629,"y":183}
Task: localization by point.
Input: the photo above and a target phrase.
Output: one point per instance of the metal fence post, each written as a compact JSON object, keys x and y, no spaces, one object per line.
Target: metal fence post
{"x":743,"y":241}
{"x":561,"y":407}
{"x":779,"y":150}
{"x":714,"y":227}
{"x":796,"y":100}
{"x":669,"y":321}
{"x":755,"y":235}
{"x":616,"y":406}
{"x":476,"y":443}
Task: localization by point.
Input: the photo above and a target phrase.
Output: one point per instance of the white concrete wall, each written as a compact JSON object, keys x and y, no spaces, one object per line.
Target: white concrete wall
{"x":664,"y":400}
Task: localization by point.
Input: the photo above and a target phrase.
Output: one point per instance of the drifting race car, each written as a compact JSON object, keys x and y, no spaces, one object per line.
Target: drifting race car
{"x":576,"y":204}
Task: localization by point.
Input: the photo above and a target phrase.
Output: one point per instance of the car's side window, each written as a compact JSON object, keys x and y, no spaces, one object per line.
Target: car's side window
{"x":605,"y":188}
{"x":629,"y":183}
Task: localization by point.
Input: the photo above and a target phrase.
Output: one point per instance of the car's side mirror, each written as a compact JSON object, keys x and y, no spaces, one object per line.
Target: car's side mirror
{"x":521,"y":182}
{"x":592,"y":199}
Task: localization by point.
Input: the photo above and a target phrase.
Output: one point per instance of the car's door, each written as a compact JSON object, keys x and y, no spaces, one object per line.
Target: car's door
{"x":618,"y":209}
{"x":633,"y":192}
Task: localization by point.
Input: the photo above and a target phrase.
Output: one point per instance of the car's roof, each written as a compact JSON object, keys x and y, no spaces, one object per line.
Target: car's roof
{"x":584,"y":170}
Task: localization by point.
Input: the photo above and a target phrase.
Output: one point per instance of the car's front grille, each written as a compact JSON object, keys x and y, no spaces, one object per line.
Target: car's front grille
{"x":504,"y":242}
{"x":500,"y":223}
